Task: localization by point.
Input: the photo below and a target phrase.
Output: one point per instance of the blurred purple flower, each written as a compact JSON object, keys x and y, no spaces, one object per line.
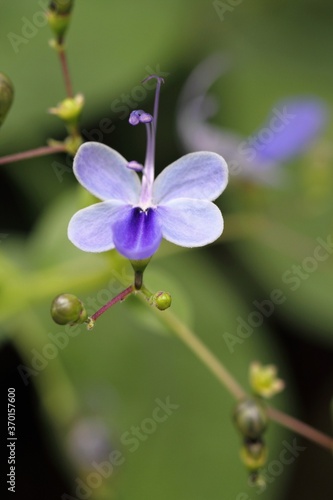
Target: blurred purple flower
{"x":291,"y":127}
{"x":289,"y":130}
{"x":135,"y":214}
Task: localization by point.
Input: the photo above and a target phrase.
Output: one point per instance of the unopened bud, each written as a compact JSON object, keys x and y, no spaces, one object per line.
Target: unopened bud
{"x":6,"y":96}
{"x":251,"y":418}
{"x":69,"y":109}
{"x":68,"y":309}
{"x":59,"y":15}
{"x":161,"y":300}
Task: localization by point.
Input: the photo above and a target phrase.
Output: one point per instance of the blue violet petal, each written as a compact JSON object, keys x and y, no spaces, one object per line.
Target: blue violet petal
{"x":137,"y":235}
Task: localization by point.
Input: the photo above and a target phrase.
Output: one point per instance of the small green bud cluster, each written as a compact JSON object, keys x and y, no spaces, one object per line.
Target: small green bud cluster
{"x":69,"y":111}
{"x":6,"y":96}
{"x":264,"y":380}
{"x":251,"y":420}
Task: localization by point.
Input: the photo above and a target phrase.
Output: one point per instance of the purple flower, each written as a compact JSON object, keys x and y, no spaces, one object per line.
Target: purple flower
{"x":135,"y":214}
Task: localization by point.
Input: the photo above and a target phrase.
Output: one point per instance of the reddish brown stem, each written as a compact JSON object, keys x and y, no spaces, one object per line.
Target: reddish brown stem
{"x":113,"y":301}
{"x":32,"y":153}
{"x":300,"y":428}
{"x":65,"y":72}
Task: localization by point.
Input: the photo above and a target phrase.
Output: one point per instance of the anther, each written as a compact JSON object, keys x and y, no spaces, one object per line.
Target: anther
{"x":134,"y":165}
{"x":139,"y":116}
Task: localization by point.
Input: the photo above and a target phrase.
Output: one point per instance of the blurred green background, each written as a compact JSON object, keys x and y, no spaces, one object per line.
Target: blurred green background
{"x":87,"y":390}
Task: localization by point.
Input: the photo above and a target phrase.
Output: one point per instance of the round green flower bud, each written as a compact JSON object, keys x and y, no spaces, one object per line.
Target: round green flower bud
{"x":250,"y":418}
{"x":6,"y":96}
{"x":68,"y":309}
{"x":161,"y":300}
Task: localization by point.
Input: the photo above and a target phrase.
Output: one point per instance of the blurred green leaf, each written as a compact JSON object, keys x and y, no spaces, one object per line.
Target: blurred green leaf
{"x":288,"y":247}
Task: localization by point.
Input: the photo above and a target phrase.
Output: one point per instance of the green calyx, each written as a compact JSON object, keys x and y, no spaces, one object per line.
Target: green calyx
{"x":71,"y":144}
{"x":68,"y":309}
{"x":6,"y":96}
{"x":139,"y":266}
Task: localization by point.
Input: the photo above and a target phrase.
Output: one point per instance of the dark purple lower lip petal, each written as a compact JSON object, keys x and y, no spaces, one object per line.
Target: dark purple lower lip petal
{"x":137,"y":235}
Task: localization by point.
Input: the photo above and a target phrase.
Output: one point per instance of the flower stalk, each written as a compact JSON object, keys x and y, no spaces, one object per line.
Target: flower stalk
{"x":120,"y":297}
{"x":33,"y":153}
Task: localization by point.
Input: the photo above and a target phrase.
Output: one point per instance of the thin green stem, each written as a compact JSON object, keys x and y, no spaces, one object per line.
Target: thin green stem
{"x":202,"y":352}
{"x":32,"y":153}
{"x":227,"y":380}
{"x":147,"y":293}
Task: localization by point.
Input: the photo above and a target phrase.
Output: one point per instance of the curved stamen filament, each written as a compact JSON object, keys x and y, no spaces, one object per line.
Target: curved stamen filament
{"x":148,"y":171}
{"x":149,"y":167}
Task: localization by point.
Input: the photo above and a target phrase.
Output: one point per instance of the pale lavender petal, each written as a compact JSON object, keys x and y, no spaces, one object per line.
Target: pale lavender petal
{"x":190,"y":223}
{"x":137,"y":233}
{"x":104,"y":172}
{"x":201,"y":175}
{"x":90,"y":229}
